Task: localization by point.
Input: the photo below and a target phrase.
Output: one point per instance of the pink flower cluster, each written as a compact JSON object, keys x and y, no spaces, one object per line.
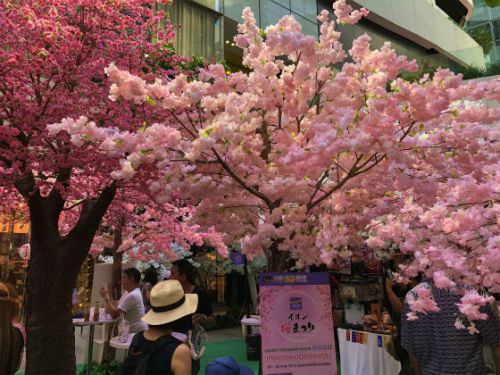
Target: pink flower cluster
{"x":422,"y":303}
{"x":471,"y":303}
{"x":346,"y":14}
{"x":297,"y":156}
{"x":55,"y":57}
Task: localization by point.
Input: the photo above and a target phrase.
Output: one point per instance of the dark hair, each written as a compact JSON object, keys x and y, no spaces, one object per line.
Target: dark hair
{"x":151,"y":276}
{"x":186,"y":268}
{"x":165,"y":326}
{"x":133,"y":273}
{"x":178,"y":325}
{"x":10,"y":338}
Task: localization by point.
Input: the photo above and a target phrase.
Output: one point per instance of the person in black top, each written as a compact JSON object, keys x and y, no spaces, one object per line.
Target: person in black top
{"x":393,"y":301}
{"x":11,"y":338}
{"x":183,"y":271}
{"x":149,"y":281}
{"x":156,"y":351}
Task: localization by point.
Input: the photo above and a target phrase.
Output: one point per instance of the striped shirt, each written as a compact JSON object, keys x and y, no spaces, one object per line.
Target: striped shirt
{"x":440,"y":347}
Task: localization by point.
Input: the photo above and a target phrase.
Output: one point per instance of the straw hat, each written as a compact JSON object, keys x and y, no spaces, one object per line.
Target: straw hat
{"x":169,"y":303}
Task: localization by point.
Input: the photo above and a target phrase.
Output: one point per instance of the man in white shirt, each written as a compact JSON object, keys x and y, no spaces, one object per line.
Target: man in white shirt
{"x":131,"y":303}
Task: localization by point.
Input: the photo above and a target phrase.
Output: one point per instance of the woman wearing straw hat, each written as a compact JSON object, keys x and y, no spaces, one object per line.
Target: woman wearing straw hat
{"x":164,"y":354}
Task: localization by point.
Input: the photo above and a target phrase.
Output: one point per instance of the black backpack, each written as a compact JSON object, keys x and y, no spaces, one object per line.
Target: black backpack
{"x":137,"y":361}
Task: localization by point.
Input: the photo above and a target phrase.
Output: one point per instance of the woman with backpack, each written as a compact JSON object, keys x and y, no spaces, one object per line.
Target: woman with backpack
{"x":156,"y":351}
{"x":11,"y":337}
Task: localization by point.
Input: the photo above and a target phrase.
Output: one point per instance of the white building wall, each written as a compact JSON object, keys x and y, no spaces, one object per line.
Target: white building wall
{"x":425,"y":23}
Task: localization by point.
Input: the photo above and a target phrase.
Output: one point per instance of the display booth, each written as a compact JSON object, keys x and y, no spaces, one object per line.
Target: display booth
{"x":365,"y":331}
{"x":366,"y":353}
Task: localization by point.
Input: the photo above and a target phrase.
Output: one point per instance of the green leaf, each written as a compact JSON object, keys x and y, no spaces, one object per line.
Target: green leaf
{"x":206,"y":132}
{"x":150,"y":100}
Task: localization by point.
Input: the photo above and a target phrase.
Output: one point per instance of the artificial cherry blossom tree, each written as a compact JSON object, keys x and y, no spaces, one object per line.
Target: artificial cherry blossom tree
{"x":299,"y":156}
{"x":52,"y":59}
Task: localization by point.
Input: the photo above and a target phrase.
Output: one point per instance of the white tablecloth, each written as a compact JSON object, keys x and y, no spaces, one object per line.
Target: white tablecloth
{"x":115,"y":342}
{"x":367,"y":358}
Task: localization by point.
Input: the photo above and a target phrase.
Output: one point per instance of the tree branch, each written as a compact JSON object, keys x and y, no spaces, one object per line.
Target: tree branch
{"x":74,"y":205}
{"x":377,"y":161}
{"x":182,"y":124}
{"x":264,"y":132}
{"x":26,"y":185}
{"x":239,"y":180}
{"x":55,"y":198}
{"x":347,"y":177}
{"x":320,"y":182}
{"x":91,"y":215}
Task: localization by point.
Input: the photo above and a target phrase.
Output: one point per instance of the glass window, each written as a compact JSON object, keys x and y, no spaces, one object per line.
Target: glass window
{"x":283,"y":3}
{"x":308,"y":27}
{"x":496,"y":29}
{"x":271,"y":13}
{"x":306,"y":8}
{"x":197,"y":29}
{"x":207,"y":3}
{"x":234,"y":8}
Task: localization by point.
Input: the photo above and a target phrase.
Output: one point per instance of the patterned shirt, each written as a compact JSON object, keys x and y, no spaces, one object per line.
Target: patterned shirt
{"x":440,"y":347}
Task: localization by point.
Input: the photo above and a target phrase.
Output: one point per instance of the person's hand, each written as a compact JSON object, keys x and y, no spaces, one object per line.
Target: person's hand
{"x":199,"y":318}
{"x":104,"y":292}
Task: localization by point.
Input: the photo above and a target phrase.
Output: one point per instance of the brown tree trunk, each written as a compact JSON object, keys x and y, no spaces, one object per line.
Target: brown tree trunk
{"x":53,"y":268}
{"x":277,"y":259}
{"x":117,"y":259}
{"x":50,"y":331}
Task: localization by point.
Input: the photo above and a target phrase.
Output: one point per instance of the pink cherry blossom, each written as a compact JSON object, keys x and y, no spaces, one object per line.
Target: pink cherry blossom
{"x":68,"y":173}
{"x":345,"y":13}
{"x":459,"y":324}
{"x":296,"y":157}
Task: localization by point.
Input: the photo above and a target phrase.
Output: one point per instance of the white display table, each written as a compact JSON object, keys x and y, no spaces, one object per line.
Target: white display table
{"x":91,"y":325}
{"x":368,"y":357}
{"x":253,"y":322}
{"x":114,"y":342}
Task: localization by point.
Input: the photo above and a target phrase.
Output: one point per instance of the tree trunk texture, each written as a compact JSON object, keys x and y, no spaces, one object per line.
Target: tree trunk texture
{"x":117,"y":260}
{"x":50,"y":331}
{"x":52,"y":271}
{"x":277,"y":259}
{"x":253,"y":292}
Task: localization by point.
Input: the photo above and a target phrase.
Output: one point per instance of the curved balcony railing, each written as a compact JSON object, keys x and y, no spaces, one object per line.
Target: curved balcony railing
{"x":423,"y":22}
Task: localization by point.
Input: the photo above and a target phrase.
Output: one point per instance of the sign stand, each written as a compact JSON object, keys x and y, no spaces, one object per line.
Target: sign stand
{"x":297,"y":325}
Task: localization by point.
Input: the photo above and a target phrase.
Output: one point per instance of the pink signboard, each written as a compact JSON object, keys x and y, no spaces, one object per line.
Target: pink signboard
{"x":297,"y":326}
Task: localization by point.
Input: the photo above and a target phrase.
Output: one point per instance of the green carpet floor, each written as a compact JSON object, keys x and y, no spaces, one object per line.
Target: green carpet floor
{"x":233,"y":348}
